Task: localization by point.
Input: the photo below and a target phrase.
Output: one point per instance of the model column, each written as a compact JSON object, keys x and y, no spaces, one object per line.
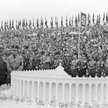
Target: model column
{"x":38,"y":89}
{"x":90,"y":93}
{"x":69,"y":92}
{"x":63,"y":93}
{"x":50,"y":92}
{"x":57,"y":92}
{"x":77,"y":92}
{"x":43,"y":91}
{"x":32,"y":93}
{"x":27,"y":88}
{"x":83,"y":93}
{"x":107,"y":93}
{"x":19,"y":88}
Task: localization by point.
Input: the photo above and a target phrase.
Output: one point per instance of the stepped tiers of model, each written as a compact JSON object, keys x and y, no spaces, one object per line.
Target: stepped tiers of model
{"x":57,"y":84}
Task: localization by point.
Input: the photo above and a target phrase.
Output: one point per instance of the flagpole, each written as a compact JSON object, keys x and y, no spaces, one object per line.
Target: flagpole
{"x":79,"y":37}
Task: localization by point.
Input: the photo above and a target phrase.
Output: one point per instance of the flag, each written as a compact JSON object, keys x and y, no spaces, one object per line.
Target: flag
{"x":56,"y":22}
{"x":37,"y":23}
{"x":76,"y":22}
{"x":51,"y":22}
{"x":83,"y":19}
{"x":41,"y":23}
{"x":89,"y":21}
{"x":46,"y":24}
{"x":30,"y":23}
{"x":66,"y":21}
{"x":33,"y":23}
{"x":61,"y":21}
{"x":1,"y":25}
{"x":23,"y":23}
{"x":106,"y":18}
{"x":93,"y":19}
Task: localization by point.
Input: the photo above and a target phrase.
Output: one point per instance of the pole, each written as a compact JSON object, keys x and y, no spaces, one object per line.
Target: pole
{"x":79,"y":38}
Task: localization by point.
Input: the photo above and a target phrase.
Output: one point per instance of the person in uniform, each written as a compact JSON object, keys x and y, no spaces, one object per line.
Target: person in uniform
{"x":45,"y":60}
{"x":91,"y":67}
{"x":36,"y":62}
{"x":74,"y":62}
{"x":99,"y":67}
{"x":15,"y":61}
{"x":82,"y":66}
{"x":105,"y":73}
{"x":26,"y":61}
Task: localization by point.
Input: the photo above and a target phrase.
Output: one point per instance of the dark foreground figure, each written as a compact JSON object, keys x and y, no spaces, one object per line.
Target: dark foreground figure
{"x":3,"y":72}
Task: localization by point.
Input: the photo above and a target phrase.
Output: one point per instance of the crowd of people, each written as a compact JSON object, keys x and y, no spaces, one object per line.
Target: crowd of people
{"x":27,"y":45}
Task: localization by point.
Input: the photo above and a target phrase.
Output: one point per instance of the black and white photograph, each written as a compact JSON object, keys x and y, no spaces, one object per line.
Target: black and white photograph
{"x":53,"y":54}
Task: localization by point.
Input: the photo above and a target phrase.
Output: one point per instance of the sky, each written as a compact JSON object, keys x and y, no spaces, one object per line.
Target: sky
{"x":19,"y":9}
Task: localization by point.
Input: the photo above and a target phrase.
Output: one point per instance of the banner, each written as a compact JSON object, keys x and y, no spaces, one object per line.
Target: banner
{"x":83,"y":19}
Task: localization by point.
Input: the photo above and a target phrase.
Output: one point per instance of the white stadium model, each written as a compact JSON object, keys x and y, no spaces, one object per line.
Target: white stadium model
{"x":53,"y":88}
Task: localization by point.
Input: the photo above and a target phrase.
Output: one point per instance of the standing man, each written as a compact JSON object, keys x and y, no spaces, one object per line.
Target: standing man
{"x":82,"y":66}
{"x":100,"y":67}
{"x":105,"y":73}
{"x":26,"y":61}
{"x":91,"y":67}
{"x":74,"y":62}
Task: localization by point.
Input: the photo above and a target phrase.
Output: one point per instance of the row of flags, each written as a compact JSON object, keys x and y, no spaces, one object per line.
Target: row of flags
{"x":82,"y":18}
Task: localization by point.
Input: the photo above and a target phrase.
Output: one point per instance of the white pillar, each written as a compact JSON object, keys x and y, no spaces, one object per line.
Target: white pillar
{"x":90,"y":96}
{"x":106,"y":92}
{"x":57,"y":92}
{"x":13,"y":87}
{"x":19,"y":88}
{"x":23,"y":88}
{"x":63,"y":93}
{"x":70,"y":92}
{"x":28,"y":88}
{"x":43,"y":91}
{"x":77,"y":93}
{"x":38,"y":85}
{"x":83,"y":93}
{"x":102,"y":94}
{"x":96,"y":92}
{"x":16,"y":87}
{"x":50,"y":92}
{"x":32,"y":93}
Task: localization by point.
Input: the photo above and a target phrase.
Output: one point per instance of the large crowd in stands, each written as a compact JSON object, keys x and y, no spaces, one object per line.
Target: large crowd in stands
{"x":34,"y":45}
